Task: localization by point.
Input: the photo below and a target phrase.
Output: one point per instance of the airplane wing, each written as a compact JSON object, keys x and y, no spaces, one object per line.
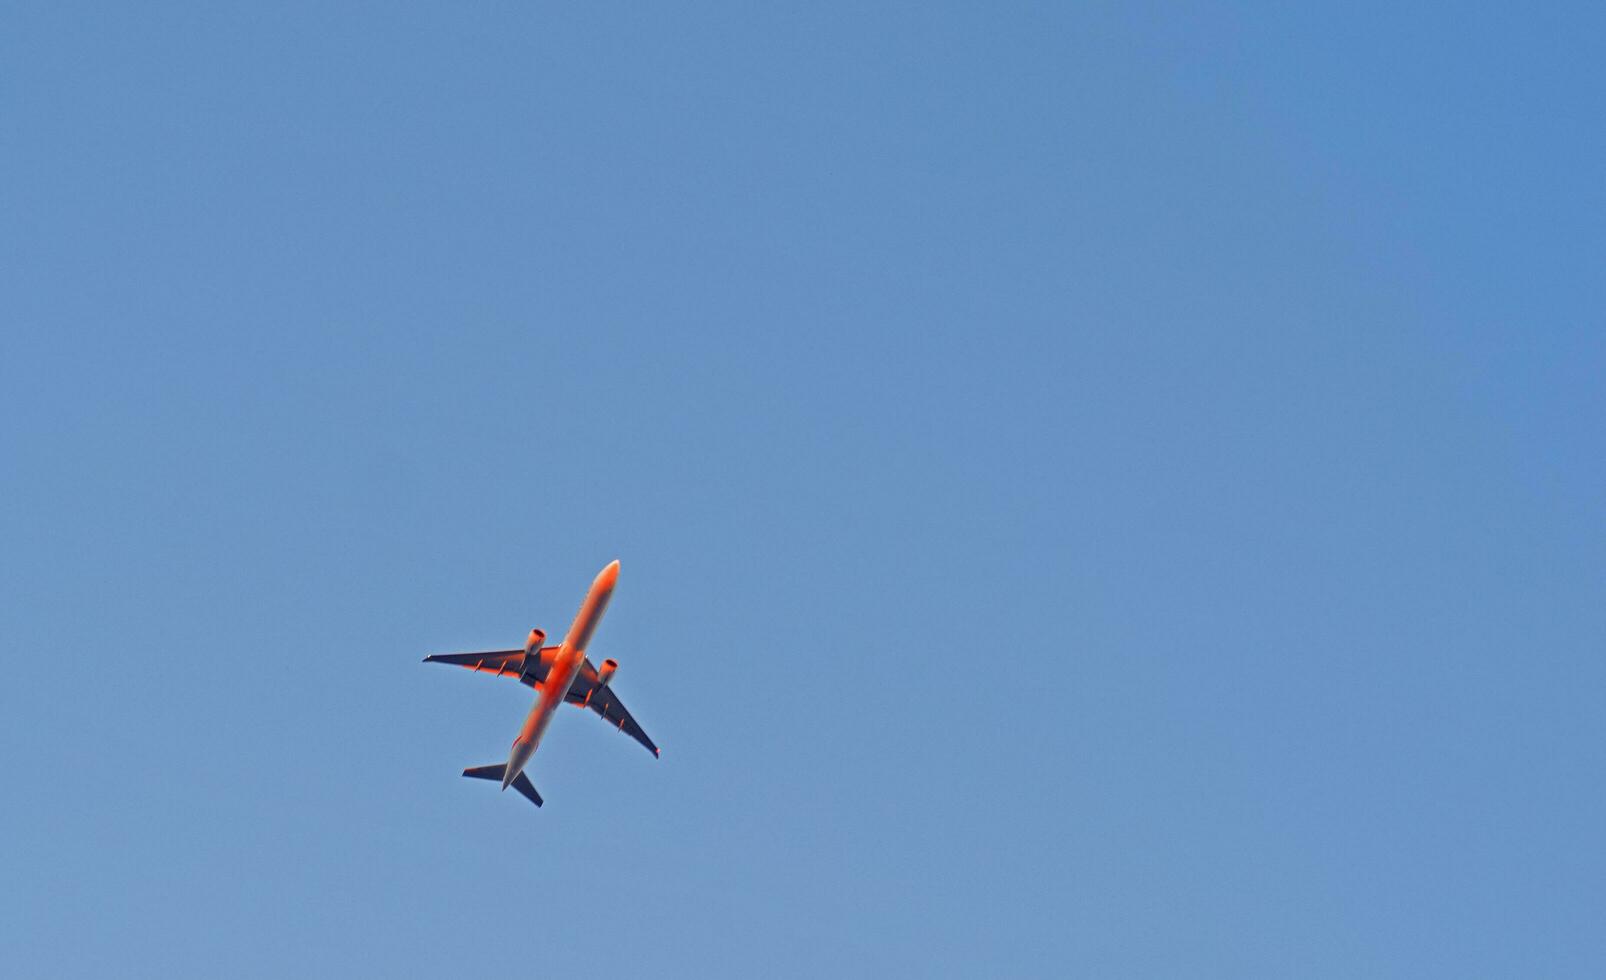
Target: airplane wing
{"x":587,"y":693}
{"x":502,"y":663}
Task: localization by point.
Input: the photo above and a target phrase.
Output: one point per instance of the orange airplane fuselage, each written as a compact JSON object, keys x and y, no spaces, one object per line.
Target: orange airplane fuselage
{"x":565,"y":667}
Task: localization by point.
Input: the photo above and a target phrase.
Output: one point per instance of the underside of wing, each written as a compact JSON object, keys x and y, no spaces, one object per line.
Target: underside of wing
{"x":600,"y":698}
{"x":502,"y":663}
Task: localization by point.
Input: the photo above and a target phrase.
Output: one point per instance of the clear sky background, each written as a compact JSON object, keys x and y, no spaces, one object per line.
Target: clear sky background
{"x":1103,"y":490}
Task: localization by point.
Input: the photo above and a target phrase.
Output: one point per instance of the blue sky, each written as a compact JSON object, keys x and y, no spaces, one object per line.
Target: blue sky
{"x":1107,"y":490}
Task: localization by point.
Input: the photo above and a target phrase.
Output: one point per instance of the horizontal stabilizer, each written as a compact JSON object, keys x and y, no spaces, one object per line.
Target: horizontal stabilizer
{"x":521,"y":782}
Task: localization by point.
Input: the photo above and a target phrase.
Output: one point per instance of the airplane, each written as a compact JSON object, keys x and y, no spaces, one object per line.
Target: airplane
{"x":558,"y":674}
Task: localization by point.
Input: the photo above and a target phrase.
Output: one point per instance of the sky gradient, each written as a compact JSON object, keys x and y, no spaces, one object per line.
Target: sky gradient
{"x":1103,"y":490}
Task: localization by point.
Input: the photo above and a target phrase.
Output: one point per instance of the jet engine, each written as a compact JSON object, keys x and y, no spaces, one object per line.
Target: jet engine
{"x":536,"y":638}
{"x":605,"y":672}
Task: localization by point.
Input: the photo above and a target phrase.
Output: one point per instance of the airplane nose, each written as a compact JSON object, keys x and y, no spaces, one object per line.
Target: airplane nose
{"x":608,"y":576}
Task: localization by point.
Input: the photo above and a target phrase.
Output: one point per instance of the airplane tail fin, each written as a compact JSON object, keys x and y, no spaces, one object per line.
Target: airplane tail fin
{"x":521,"y":782}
